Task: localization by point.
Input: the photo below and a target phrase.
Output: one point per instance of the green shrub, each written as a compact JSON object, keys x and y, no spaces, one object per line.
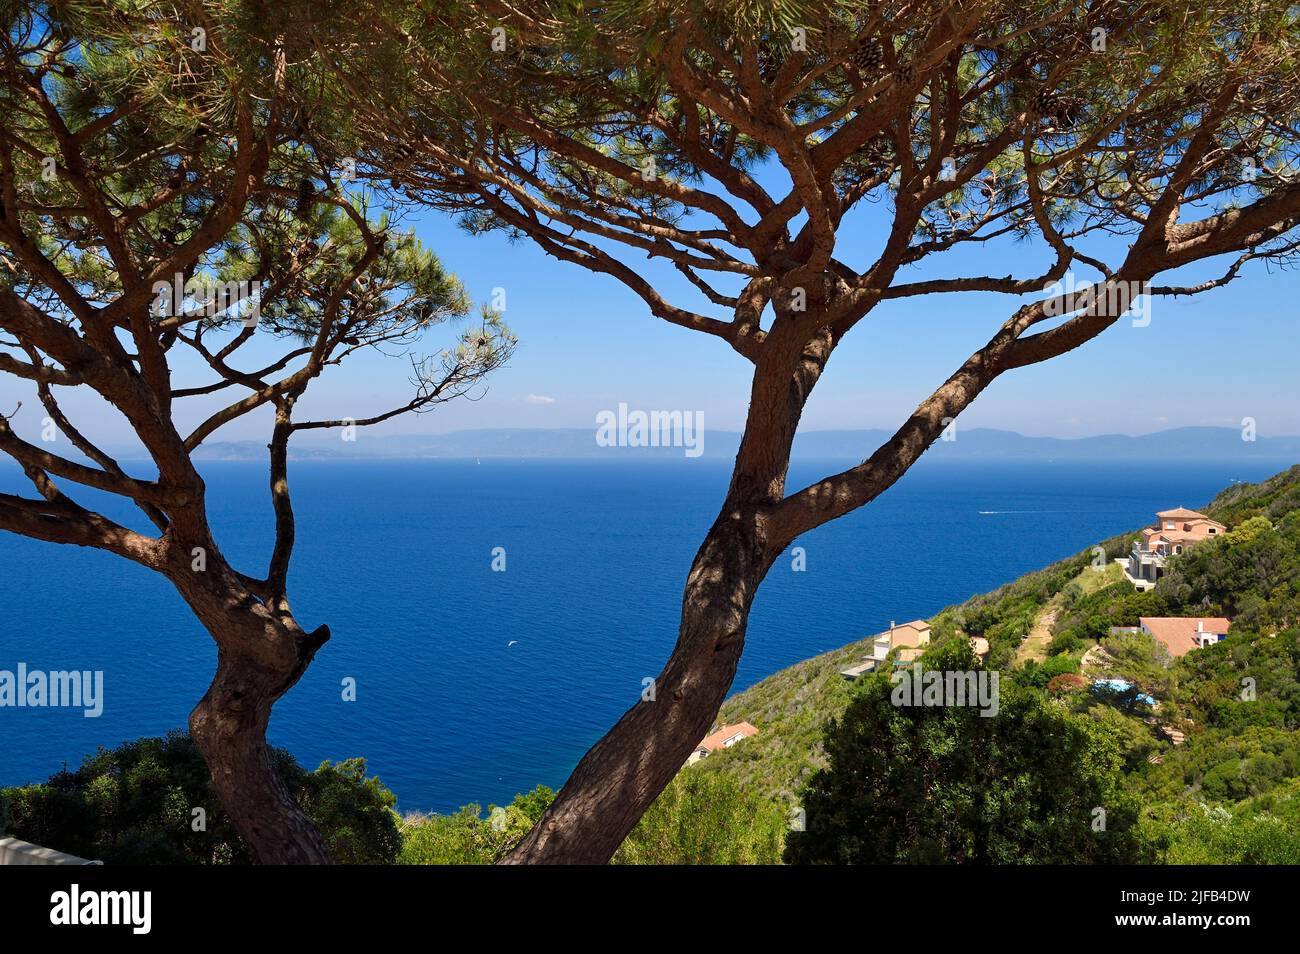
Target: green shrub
{"x":945,"y":784}
{"x":705,"y":818}
{"x":1040,"y":674}
{"x":136,"y":804}
{"x":469,"y":836}
{"x":1203,"y":834}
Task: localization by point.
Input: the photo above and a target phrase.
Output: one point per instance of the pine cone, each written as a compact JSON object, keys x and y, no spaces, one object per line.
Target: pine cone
{"x":906,"y":74}
{"x":399,"y":151}
{"x":306,"y":191}
{"x":868,"y":55}
{"x":1046,"y":104}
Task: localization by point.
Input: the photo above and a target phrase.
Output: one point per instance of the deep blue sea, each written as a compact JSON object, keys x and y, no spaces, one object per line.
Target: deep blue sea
{"x":473,"y":685}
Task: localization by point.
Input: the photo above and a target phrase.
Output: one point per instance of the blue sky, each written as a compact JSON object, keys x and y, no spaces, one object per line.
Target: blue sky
{"x":584,"y":341}
{"x":586,"y":344}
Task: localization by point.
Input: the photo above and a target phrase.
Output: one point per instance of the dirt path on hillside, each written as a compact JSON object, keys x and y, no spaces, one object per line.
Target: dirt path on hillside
{"x":1034,"y":646}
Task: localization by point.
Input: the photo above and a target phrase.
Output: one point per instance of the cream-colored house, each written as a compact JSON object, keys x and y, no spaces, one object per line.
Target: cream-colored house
{"x":913,"y":635}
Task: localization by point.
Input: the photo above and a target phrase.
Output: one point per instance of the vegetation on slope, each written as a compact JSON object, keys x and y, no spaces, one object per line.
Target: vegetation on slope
{"x":1237,"y":703}
{"x":1021,"y":781}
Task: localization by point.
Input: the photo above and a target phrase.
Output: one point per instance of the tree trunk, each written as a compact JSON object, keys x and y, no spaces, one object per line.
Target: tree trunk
{"x":261,"y":654}
{"x":229,"y":728}
{"x":625,"y":771}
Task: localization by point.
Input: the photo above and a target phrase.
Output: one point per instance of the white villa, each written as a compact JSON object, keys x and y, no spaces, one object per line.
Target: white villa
{"x":911,"y":635}
{"x":1173,"y":532}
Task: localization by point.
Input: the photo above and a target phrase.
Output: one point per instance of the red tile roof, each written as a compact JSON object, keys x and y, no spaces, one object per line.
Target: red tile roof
{"x":1179,"y":633}
{"x":715,"y":740}
{"x":1191,"y":527}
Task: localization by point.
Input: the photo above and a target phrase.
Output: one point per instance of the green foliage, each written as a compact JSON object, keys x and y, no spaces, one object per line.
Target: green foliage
{"x":1040,"y":674}
{"x":879,"y":782}
{"x":1236,"y":668}
{"x":1135,"y":740}
{"x":706,"y":818}
{"x":1258,"y":832}
{"x":1227,"y":765}
{"x":354,"y":813}
{"x":1248,"y":530}
{"x":1006,"y":616}
{"x":1092,"y":616}
{"x":1251,"y":574}
{"x":469,"y":837}
{"x":1063,"y":644}
{"x":588,"y":74}
{"x":1273,"y":498}
{"x":944,"y":784}
{"x":1141,"y":659}
{"x":790,"y":709}
{"x":135,"y":805}
{"x":211,"y":164}
{"x":1235,"y":748}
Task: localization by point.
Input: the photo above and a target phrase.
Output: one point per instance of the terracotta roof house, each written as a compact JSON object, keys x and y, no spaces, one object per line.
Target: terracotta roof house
{"x":724,"y":738}
{"x":1180,"y":635}
{"x":1174,"y":531}
{"x":911,"y":635}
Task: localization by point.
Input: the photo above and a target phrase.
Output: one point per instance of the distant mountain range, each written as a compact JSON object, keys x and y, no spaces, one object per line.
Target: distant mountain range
{"x":1186,"y":443}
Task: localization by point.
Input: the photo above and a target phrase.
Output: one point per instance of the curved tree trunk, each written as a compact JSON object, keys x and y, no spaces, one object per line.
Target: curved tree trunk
{"x":620,"y":777}
{"x":623,"y":773}
{"x":229,"y":728}
{"x":261,"y":653}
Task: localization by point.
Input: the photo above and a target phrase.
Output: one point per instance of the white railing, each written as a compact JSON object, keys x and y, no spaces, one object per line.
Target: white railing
{"x":15,"y":852}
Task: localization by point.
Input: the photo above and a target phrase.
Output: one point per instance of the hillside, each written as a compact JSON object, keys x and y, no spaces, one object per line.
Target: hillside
{"x":1257,"y":584}
{"x":793,"y":706}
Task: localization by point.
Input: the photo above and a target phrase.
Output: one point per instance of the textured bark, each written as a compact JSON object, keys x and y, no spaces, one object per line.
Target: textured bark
{"x":106,"y":334}
{"x":261,"y":654}
{"x":973,"y":181}
{"x":625,"y":771}
{"x":229,"y":727}
{"x":620,"y":777}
